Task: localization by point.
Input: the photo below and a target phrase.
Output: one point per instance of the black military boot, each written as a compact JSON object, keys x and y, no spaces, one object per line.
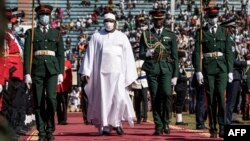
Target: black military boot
{"x":166,"y":130}
{"x":50,"y":137}
{"x":42,"y":138}
{"x":221,"y":133}
{"x":213,"y":134}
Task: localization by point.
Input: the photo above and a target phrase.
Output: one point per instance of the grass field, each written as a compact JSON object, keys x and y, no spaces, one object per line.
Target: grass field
{"x":190,"y":119}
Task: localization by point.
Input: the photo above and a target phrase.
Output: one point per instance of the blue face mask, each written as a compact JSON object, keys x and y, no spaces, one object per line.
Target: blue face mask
{"x":44,"y":19}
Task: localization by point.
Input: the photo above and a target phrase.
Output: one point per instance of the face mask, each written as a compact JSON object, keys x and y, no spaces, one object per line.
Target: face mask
{"x":9,"y":25}
{"x":109,"y":26}
{"x":44,"y":20}
{"x":81,"y":40}
{"x":212,"y":21}
{"x":17,"y":29}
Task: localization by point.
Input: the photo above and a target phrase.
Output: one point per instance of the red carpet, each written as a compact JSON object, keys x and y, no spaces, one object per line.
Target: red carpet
{"x":77,"y":131}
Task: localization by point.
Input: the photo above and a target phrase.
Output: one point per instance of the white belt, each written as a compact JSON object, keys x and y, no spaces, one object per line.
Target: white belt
{"x":45,"y":52}
{"x":213,"y":54}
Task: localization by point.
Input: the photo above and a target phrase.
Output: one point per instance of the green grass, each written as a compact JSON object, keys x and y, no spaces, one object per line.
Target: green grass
{"x":190,"y":119}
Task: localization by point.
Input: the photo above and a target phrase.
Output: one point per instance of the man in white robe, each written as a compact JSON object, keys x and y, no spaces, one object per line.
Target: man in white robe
{"x":109,"y":69}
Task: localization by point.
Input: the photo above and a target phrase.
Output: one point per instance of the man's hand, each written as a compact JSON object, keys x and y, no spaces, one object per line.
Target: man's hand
{"x":248,"y":62}
{"x":199,"y":77}
{"x":150,"y":52}
{"x":85,"y":78}
{"x":79,"y":89}
{"x":174,"y":81}
{"x":28,"y":80}
{"x":1,"y":88}
{"x":59,"y":79}
{"x":230,"y":77}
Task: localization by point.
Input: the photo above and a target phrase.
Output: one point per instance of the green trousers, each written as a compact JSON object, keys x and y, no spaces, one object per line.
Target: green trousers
{"x":215,"y":86}
{"x":44,"y":90}
{"x":160,"y":90}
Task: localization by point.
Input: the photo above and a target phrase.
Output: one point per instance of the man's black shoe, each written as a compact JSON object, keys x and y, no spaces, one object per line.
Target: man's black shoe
{"x":157,"y":133}
{"x":181,"y":123}
{"x":105,"y":133}
{"x":213,"y":134}
{"x":221,"y":133}
{"x":63,"y":123}
{"x":119,"y":130}
{"x":201,"y":128}
{"x":138,"y":121}
{"x":50,"y":137}
{"x":42,"y":138}
{"x":166,"y":130}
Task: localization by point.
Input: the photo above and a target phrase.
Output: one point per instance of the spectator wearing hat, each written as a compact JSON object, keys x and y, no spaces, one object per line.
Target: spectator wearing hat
{"x":12,"y":76}
{"x":44,"y":68}
{"x":158,"y":49}
{"x":108,"y":68}
{"x":216,"y":69}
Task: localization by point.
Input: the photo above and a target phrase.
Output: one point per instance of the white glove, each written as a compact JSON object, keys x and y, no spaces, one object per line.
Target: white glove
{"x":1,"y":88}
{"x":59,"y":79}
{"x":248,"y":62}
{"x":150,"y":52}
{"x":174,"y":81}
{"x":199,"y":77}
{"x":79,"y":89}
{"x":28,"y":80}
{"x":230,"y":77}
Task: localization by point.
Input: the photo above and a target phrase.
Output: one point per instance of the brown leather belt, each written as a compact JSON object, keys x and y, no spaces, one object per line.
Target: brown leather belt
{"x":161,"y":56}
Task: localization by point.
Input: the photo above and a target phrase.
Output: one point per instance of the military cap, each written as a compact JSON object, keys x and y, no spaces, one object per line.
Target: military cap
{"x":157,"y":14}
{"x":212,"y":12}
{"x":11,"y":14}
{"x":43,"y":9}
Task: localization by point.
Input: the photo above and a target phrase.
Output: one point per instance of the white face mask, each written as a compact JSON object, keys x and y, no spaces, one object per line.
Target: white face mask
{"x":9,"y":25}
{"x":17,"y":29}
{"x":44,"y":19}
{"x":212,"y":21}
{"x":109,"y":26}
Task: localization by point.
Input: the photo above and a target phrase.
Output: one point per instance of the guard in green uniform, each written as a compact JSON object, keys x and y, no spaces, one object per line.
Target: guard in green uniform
{"x":217,"y":68}
{"x":158,"y":49}
{"x":44,"y":63}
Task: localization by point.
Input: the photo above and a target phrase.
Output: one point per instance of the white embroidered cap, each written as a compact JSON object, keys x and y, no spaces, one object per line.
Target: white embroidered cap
{"x":109,"y":16}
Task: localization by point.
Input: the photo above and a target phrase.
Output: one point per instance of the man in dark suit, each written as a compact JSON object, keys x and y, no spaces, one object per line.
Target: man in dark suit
{"x":44,"y":63}
{"x":158,"y":49}
{"x":217,"y":68}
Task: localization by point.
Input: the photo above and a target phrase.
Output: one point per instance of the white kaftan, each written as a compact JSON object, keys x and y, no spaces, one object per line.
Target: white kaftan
{"x":110,"y":64}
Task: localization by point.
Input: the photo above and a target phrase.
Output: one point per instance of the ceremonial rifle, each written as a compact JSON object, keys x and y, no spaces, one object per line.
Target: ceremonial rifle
{"x":32,"y":33}
{"x":201,"y":26}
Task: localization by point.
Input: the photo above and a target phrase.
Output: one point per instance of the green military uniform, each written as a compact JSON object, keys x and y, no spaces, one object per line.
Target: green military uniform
{"x":217,"y":62}
{"x":160,"y":69}
{"x":45,"y":69}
